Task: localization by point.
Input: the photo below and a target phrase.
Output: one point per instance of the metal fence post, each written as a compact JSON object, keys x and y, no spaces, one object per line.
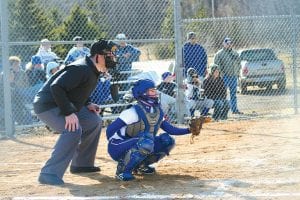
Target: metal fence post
{"x":5,"y":49}
{"x":180,"y":106}
{"x":294,"y":52}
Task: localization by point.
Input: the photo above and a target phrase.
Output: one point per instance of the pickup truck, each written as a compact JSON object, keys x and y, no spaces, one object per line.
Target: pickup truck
{"x":262,"y":68}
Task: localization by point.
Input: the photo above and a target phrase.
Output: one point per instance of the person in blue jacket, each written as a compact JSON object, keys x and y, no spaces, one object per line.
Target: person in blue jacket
{"x":194,"y":56}
{"x":102,"y":95}
{"x":126,"y":55}
{"x":133,"y":137}
{"x":78,"y":51}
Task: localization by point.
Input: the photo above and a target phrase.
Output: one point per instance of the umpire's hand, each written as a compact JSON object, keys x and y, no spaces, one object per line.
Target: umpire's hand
{"x":72,"y":122}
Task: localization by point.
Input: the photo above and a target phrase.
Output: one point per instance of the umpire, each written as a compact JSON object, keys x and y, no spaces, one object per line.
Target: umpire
{"x":63,"y":104}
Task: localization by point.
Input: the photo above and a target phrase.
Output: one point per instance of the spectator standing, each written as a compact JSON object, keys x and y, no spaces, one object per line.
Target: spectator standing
{"x":126,"y":55}
{"x":46,"y":53}
{"x":214,"y":88}
{"x":229,"y":64}
{"x":77,"y":52}
{"x":194,"y":56}
{"x":63,"y":104}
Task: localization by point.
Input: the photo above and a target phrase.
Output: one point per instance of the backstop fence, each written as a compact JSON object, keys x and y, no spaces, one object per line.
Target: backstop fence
{"x":155,"y":33}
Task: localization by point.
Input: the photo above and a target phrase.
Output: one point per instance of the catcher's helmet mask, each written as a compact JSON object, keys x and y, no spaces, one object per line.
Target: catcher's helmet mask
{"x":106,"y":48}
{"x":139,"y":91}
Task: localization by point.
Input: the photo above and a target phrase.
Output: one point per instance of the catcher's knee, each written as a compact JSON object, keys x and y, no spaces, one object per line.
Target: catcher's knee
{"x":77,"y":131}
{"x":167,"y":140}
{"x":145,"y":145}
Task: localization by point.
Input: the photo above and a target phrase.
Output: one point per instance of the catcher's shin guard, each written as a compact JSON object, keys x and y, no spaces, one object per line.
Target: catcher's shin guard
{"x":132,"y":159}
{"x":168,"y":144}
{"x":136,"y":155}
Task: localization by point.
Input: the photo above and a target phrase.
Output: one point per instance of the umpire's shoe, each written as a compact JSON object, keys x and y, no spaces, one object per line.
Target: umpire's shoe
{"x":50,"y":179}
{"x":77,"y":170}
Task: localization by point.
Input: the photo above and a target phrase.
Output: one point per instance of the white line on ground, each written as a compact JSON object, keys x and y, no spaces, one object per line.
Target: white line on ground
{"x":171,"y":196}
{"x":21,"y":163}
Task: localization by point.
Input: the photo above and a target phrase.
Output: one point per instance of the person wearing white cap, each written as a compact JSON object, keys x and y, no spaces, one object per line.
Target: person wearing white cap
{"x":229,"y":64}
{"x":78,"y":51}
{"x":126,"y":55}
{"x":46,"y":53}
{"x":51,"y":68}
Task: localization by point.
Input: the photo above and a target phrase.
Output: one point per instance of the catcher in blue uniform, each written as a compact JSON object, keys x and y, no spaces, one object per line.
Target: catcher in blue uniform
{"x":133,"y":140}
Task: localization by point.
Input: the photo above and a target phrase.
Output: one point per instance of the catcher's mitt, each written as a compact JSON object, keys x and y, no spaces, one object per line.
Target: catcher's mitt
{"x":195,"y":126}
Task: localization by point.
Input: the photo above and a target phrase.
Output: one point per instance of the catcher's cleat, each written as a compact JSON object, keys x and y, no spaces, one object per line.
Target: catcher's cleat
{"x":50,"y":179}
{"x":125,"y":176}
{"x":77,"y":170}
{"x":145,"y":170}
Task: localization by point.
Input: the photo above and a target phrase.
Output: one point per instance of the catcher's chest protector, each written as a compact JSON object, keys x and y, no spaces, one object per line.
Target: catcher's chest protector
{"x":148,"y":122}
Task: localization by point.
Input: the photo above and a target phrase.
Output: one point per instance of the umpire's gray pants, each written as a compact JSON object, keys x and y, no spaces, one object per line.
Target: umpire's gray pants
{"x":79,"y":146}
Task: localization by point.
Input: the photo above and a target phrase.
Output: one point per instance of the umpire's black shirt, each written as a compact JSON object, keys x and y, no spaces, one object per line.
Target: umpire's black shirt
{"x":69,"y":89}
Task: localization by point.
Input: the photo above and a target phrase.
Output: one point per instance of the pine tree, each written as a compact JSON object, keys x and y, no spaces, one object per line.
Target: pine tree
{"x":77,"y":23}
{"x":28,"y":22}
{"x":95,"y":14}
{"x":165,"y":51}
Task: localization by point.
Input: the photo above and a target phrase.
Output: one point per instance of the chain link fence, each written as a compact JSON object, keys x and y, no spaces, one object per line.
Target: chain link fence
{"x":268,"y":46}
{"x":38,"y":37}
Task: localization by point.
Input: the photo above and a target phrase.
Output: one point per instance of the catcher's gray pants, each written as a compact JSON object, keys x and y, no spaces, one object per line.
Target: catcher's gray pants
{"x":79,"y":146}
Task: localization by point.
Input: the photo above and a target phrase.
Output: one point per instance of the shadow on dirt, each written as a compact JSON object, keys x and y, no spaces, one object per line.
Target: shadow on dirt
{"x":165,"y":186}
{"x":14,"y":139}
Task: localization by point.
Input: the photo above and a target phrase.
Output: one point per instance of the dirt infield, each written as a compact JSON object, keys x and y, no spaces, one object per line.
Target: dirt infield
{"x":253,"y":159}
